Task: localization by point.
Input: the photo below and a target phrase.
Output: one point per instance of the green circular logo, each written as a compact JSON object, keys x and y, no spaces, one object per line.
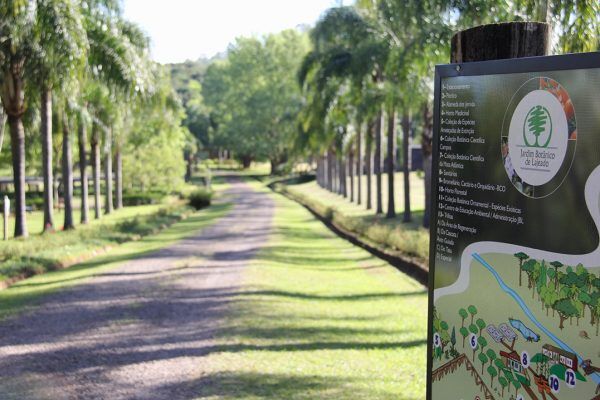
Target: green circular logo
{"x":537,"y":127}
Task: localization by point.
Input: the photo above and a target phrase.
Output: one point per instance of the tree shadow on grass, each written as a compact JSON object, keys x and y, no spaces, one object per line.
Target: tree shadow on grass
{"x":256,"y":385}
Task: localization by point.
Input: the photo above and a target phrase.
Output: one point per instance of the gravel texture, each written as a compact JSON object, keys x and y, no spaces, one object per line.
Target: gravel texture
{"x":141,"y":330}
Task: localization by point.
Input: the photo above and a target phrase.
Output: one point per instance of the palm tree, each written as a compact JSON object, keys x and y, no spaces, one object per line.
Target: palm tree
{"x":61,"y":38}
{"x":17,"y":52}
{"x":378,"y":161}
{"x":405,"y":167}
{"x":67,"y":172}
{"x":344,"y":57}
{"x":120,"y":69}
{"x":391,"y":164}
{"x":83,"y":123}
{"x":359,"y":163}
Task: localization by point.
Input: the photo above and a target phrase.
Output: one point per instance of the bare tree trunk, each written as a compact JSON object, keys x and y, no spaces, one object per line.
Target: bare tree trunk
{"x":378,"y":159}
{"x":46,"y":127}
{"x":83,"y":171}
{"x":96,"y":169}
{"x":108,"y":204}
{"x":351,"y":173}
{"x":119,"y":176}
{"x":405,"y":170}
{"x":369,"y":166}
{"x":67,"y":174}
{"x":391,"y":162}
{"x":17,"y":143}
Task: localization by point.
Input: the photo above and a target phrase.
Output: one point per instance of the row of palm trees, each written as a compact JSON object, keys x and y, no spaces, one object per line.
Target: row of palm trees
{"x":355,"y":80}
{"x":373,"y":61}
{"x":81,"y":62}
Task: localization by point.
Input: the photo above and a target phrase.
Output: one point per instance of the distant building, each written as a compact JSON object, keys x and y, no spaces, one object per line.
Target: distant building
{"x":559,"y":356}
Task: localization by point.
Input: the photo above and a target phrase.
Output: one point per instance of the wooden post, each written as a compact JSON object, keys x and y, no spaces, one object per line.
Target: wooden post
{"x":500,"y":41}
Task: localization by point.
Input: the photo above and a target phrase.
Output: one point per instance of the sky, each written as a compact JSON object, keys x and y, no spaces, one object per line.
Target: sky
{"x":182,"y":30}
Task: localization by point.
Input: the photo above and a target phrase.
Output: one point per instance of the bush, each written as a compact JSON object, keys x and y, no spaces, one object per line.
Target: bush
{"x":200,"y":199}
{"x":142,"y":198}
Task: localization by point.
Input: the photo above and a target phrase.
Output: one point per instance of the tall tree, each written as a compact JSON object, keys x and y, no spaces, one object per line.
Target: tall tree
{"x":17,"y":52}
{"x":391,"y":162}
{"x":60,"y":37}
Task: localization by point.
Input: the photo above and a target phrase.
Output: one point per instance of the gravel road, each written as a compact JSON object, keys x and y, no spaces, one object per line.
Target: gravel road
{"x":141,"y":330}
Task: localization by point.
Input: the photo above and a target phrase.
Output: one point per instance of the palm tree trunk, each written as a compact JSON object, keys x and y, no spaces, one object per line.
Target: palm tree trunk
{"x":359,"y":165}
{"x":369,"y":166}
{"x":343,"y":184}
{"x":108,"y":203}
{"x":67,"y":174}
{"x":17,"y":144}
{"x":119,"y":176}
{"x":405,"y":171}
{"x":330,"y":170}
{"x":83,"y":171}
{"x":391,"y":162}
{"x":351,"y":173}
{"x":96,"y":169}
{"x":378,"y":159}
{"x":46,"y":125}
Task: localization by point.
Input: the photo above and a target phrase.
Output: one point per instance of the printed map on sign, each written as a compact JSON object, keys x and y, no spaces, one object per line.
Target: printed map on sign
{"x":517,"y":253}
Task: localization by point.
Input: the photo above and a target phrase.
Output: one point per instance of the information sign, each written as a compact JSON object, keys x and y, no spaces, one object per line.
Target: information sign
{"x":514,"y":309}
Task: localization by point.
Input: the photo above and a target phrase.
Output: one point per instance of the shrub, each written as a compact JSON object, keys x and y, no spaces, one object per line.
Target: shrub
{"x":142,"y":198}
{"x":200,"y":199}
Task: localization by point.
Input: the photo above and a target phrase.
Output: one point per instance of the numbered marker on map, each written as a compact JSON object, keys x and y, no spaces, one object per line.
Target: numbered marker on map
{"x":525,"y":360}
{"x":473,"y":341}
{"x":437,"y":340}
{"x":554,"y":384}
{"x":570,"y":378}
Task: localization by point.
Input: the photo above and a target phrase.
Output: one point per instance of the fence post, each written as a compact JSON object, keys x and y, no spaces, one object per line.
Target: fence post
{"x":6,"y":214}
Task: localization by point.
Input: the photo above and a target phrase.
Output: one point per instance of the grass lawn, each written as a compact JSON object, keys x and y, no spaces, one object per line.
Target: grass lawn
{"x":320,"y":319}
{"x":408,"y":238}
{"x":26,"y":292}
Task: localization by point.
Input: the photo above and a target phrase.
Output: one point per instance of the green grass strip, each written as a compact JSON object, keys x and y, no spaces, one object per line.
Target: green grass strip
{"x":319,"y":319}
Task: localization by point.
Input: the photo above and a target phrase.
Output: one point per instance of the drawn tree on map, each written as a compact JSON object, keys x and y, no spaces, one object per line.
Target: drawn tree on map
{"x":483,"y":343}
{"x":565,"y":309}
{"x":529,"y":268}
{"x":473,"y":311}
{"x":453,"y":338}
{"x":586,"y":299}
{"x":493,"y":373}
{"x":597,"y":316}
{"x":521,"y":257}
{"x":481,"y":325}
{"x":484,"y":360}
{"x":464,"y":332}
{"x":541,"y":279}
{"x":475,"y":351}
{"x":473,"y":329}
{"x":504,"y":383}
{"x":463,"y":315}
{"x":516,"y":385}
{"x":491,"y":355}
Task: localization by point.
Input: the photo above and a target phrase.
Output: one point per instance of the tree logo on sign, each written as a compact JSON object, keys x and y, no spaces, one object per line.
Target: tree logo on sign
{"x":537,"y":127}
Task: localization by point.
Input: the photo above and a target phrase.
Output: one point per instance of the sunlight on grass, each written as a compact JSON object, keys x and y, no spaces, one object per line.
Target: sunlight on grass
{"x":320,"y":319}
{"x":411,"y":239}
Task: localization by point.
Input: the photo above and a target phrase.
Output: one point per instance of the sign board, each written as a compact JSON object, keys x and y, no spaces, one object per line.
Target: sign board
{"x":514,"y":308}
